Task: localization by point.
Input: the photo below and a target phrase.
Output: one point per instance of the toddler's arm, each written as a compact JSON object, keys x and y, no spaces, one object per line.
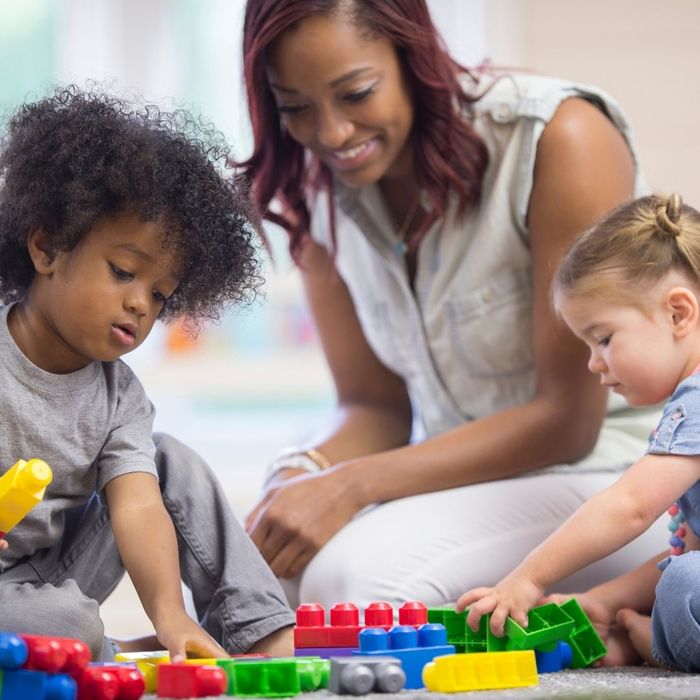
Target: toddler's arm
{"x":145,"y":536}
{"x":599,"y":527}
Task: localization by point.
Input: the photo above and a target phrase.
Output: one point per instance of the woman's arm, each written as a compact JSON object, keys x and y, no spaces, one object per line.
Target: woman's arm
{"x":583,"y":168}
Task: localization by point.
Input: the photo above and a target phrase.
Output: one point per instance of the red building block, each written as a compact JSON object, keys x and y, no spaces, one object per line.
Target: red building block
{"x":111,"y":682}
{"x":187,"y":681}
{"x":311,"y":631}
{"x":56,"y":654}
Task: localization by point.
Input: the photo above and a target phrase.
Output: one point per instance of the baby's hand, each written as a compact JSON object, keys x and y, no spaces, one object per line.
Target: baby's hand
{"x":511,"y":597}
{"x":181,"y":635}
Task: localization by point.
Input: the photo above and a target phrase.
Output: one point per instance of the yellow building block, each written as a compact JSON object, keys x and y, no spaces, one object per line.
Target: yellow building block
{"x":458,"y":673}
{"x":21,"y":488}
{"x":146,"y":662}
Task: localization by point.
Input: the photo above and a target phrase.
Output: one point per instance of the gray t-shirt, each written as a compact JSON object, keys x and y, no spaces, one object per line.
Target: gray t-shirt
{"x":90,"y":426}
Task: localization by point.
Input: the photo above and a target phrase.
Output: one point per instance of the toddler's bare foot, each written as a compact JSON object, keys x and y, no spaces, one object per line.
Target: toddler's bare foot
{"x":639,"y":630}
{"x":621,"y":651}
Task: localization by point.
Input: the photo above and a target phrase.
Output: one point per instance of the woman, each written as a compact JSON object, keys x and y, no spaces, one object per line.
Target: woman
{"x":426,"y":209}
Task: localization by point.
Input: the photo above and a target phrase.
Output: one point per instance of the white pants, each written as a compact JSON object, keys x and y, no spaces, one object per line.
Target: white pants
{"x":435,"y":546}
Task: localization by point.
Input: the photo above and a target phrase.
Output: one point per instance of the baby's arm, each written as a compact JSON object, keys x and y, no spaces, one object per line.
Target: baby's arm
{"x":599,"y":527}
{"x":146,"y":540}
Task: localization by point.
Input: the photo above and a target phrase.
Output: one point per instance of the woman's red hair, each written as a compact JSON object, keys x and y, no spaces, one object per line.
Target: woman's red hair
{"x":449,"y":155}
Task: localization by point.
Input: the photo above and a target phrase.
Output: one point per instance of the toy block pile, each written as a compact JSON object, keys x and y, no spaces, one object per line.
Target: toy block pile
{"x":247,"y":675}
{"x":557,"y":637}
{"x":408,"y":646}
{"x":57,"y":668}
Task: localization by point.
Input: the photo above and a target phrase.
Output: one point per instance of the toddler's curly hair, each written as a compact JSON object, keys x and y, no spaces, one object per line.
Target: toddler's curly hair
{"x":78,"y":156}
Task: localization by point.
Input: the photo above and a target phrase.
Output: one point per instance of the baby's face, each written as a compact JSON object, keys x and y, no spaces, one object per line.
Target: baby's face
{"x":102,"y":298}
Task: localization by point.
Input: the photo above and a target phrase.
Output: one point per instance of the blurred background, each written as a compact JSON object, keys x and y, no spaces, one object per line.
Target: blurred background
{"x":256,"y":382}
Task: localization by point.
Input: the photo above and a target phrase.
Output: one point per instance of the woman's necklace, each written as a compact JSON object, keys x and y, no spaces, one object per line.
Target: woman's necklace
{"x":401,"y":246}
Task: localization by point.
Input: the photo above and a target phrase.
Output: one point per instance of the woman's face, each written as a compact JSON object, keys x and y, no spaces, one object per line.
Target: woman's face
{"x":342,"y":95}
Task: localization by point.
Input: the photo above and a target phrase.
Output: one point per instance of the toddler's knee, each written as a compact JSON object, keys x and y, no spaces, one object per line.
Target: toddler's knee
{"x":53,"y":611}
{"x":676,"y":615}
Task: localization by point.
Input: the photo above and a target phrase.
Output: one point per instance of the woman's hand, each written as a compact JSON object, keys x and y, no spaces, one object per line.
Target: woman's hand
{"x":511,"y":597}
{"x":180,"y":635}
{"x":298,"y":515}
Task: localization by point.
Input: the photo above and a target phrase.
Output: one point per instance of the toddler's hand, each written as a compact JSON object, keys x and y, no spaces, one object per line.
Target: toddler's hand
{"x":181,"y":635}
{"x":3,"y":544}
{"x":511,"y":597}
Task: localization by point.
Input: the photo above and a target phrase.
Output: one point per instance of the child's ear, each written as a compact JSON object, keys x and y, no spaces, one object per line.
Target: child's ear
{"x":40,"y":252}
{"x":683,"y":307}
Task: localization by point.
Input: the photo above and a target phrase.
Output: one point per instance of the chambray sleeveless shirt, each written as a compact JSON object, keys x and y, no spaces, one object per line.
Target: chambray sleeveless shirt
{"x":461,"y":342}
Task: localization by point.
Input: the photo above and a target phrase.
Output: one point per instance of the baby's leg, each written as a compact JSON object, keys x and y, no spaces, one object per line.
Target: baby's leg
{"x":675,"y":626}
{"x":56,"y":611}
{"x":237,"y":598}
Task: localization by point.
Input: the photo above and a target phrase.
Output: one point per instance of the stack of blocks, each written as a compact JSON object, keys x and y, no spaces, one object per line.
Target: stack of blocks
{"x":557,"y":637}
{"x":56,"y":668}
{"x":313,"y":637}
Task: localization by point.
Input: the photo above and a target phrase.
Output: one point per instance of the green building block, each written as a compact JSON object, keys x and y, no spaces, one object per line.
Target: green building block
{"x":586,"y":644}
{"x":548,"y":624}
{"x":461,"y":635}
{"x":275,"y":678}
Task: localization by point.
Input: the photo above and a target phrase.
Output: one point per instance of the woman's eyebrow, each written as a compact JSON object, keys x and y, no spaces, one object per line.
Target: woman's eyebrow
{"x":333,"y":83}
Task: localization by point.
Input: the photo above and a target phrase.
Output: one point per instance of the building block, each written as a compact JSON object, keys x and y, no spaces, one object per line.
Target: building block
{"x":187,"y":681}
{"x":22,"y":487}
{"x":414,"y":648}
{"x":324,"y":652}
{"x":22,"y":685}
{"x":60,"y":686}
{"x":586,"y":644}
{"x":104,"y":681}
{"x":278,"y":677}
{"x":548,"y":624}
{"x":556,"y":660}
{"x":311,"y":630}
{"x":146,"y":662}
{"x":460,"y":673}
{"x":464,"y":639}
{"x":359,"y":675}
{"x":13,"y":651}
{"x":56,"y":654}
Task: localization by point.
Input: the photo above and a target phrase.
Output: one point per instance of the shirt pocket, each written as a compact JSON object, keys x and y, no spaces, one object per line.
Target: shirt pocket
{"x":663,"y":437}
{"x":490,"y":328}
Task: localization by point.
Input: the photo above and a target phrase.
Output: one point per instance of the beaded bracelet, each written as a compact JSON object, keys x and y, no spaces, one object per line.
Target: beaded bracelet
{"x":677,"y":530}
{"x":310,"y":460}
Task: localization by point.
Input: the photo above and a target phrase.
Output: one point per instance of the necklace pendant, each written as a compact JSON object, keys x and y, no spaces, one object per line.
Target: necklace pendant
{"x":400,"y":248}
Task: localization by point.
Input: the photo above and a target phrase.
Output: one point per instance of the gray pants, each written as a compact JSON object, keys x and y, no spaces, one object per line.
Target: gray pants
{"x":237,"y":599}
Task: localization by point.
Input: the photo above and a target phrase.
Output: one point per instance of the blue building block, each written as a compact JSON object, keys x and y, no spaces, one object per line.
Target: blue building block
{"x":13,"y":651}
{"x":558,"y":659}
{"x":414,"y":648}
{"x":22,"y":685}
{"x":60,"y":686}
{"x":324,"y":652}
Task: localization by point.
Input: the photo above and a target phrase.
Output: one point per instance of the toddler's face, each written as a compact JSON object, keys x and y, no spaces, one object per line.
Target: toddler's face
{"x":102,"y":298}
{"x":633,"y":350}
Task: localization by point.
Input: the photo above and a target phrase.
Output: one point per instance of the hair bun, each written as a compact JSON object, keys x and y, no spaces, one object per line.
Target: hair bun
{"x":668,"y":214}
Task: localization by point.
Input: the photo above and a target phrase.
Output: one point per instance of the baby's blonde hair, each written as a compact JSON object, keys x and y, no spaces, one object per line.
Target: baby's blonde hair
{"x":631,"y":249}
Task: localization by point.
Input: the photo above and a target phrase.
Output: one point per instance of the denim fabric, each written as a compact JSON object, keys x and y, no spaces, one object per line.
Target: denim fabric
{"x":676,"y":615}
{"x":237,"y":600}
{"x":460,"y":336}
